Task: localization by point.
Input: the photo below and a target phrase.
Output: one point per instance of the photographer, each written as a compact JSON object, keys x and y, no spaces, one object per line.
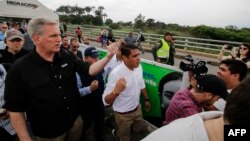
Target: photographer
{"x":242,"y":54}
{"x":186,"y":102}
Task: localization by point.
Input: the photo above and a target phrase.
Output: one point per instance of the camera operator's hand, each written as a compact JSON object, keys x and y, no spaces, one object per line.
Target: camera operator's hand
{"x":234,"y":52}
{"x":224,"y":47}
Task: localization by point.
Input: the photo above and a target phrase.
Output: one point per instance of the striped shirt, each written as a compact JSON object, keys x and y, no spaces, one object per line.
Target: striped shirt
{"x":4,"y":123}
{"x":183,"y":104}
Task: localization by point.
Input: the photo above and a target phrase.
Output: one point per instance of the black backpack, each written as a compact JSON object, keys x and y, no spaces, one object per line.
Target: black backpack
{"x":142,"y":38}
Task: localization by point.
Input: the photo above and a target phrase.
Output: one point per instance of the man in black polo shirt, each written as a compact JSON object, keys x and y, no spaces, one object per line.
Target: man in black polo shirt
{"x":43,"y":85}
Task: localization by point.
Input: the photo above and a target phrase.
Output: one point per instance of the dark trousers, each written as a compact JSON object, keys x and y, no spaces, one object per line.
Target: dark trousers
{"x":93,"y":116}
{"x":79,"y":38}
{"x":5,"y":136}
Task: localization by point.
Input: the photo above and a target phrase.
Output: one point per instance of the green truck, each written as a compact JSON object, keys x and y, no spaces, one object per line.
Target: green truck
{"x":161,"y":82}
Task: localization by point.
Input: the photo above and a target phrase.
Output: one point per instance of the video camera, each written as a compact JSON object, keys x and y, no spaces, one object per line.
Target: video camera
{"x":197,"y":67}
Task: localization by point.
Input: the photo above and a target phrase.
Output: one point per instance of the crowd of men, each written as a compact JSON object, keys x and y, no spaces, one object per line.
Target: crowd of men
{"x":54,"y":92}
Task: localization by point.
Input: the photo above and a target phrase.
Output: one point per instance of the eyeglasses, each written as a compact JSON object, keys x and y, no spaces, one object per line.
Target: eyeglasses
{"x":244,"y":48}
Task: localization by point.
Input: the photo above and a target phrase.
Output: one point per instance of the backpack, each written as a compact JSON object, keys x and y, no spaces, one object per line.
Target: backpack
{"x":142,"y":38}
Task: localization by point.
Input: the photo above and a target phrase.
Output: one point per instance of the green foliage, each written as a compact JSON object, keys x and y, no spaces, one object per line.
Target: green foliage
{"x":97,"y":21}
{"x":139,"y":22}
{"x":77,"y":19}
{"x":108,"y":21}
{"x":65,"y":18}
{"x":115,"y":26}
{"x":230,"y":33}
{"x":79,"y":15}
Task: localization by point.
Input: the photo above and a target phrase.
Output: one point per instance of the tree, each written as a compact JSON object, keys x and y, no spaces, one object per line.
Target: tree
{"x":139,"y":21}
{"x":63,"y":10}
{"x":88,"y":9}
{"x":65,"y":18}
{"x":108,"y":21}
{"x":97,"y":20}
{"x":150,"y":22}
{"x":104,"y":16}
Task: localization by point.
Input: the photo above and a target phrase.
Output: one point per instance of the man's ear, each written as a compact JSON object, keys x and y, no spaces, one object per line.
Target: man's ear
{"x":236,"y":76}
{"x":35,"y":38}
{"x":124,"y":57}
{"x":208,"y":95}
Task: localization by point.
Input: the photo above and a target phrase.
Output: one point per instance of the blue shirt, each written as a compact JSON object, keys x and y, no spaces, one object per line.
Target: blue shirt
{"x":4,"y":123}
{"x":82,"y":90}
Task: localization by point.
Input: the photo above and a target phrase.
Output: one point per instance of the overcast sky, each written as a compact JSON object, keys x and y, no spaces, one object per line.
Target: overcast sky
{"x":219,"y":13}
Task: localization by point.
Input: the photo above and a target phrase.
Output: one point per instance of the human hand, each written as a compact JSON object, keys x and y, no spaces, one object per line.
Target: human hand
{"x":4,"y":115}
{"x":136,"y":44}
{"x":114,"y":47}
{"x":94,"y":85}
{"x":234,"y":52}
{"x":147,"y":106}
{"x":120,"y":85}
{"x":224,"y":47}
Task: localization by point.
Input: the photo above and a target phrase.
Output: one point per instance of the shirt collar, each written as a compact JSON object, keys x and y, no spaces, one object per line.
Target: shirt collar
{"x":38,"y":60}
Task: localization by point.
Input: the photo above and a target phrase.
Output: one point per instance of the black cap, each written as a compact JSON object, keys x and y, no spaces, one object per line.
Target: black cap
{"x":212,"y":84}
{"x":91,"y":51}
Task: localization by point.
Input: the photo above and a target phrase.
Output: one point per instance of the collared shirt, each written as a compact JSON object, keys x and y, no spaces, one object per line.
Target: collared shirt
{"x":130,"y":40}
{"x":129,"y":98}
{"x":8,"y":57}
{"x":114,"y":62}
{"x":82,"y":90}
{"x":183,"y":104}
{"x":4,"y":123}
{"x":46,"y":91}
{"x":221,"y":103}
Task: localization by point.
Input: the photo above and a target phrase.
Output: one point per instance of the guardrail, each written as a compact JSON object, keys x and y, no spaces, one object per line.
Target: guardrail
{"x":198,"y":45}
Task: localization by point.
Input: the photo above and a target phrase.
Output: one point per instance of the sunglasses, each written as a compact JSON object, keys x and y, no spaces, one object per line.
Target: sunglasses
{"x":244,"y":48}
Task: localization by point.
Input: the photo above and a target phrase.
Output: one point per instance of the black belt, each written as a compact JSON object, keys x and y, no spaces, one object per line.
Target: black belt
{"x":128,"y":111}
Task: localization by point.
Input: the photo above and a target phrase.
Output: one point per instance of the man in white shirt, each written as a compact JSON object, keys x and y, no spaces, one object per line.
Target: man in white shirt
{"x":125,"y":84}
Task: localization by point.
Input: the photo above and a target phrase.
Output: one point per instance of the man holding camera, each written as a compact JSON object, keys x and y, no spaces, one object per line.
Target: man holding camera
{"x":208,"y":89}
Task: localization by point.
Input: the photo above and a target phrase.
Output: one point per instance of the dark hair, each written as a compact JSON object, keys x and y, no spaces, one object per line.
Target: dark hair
{"x":125,"y":50}
{"x":73,"y":39}
{"x":236,"y":67}
{"x":168,"y":33}
{"x":237,"y":109}
{"x":64,"y":36}
{"x":248,"y":52}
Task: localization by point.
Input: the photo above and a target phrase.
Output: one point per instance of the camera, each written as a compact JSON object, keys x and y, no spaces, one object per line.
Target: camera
{"x":197,"y":67}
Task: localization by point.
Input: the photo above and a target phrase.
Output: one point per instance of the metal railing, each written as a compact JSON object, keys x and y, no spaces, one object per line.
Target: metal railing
{"x":187,"y":43}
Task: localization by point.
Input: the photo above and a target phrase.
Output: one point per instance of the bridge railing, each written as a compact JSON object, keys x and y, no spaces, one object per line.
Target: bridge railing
{"x":198,"y":45}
